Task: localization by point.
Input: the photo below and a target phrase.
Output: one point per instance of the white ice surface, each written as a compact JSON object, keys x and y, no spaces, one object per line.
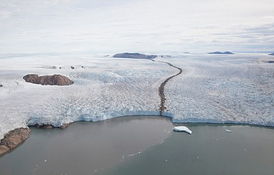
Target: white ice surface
{"x":222,"y":89}
{"x":214,"y":89}
{"x":182,"y":129}
{"x":104,"y":88}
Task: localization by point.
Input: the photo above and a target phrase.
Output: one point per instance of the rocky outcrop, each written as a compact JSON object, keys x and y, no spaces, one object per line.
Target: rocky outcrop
{"x":16,"y":137}
{"x":59,"y":80}
{"x":49,"y":126}
{"x":13,"y":139}
{"x":134,"y":55}
{"x":3,"y":149}
{"x":272,"y":54}
{"x":1,"y":85}
{"x":220,"y":53}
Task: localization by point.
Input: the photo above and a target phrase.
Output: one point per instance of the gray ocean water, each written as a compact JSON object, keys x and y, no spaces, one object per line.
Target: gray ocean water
{"x":210,"y":150}
{"x":143,"y":145}
{"x":85,"y":148}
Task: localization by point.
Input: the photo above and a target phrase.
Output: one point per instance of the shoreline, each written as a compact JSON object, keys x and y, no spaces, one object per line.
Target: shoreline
{"x":13,"y":139}
{"x":85,"y":147}
{"x":161,"y":110}
{"x":22,"y":134}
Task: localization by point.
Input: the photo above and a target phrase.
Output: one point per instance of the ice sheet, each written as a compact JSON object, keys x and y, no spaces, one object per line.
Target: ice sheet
{"x":222,"y":89}
{"x":104,"y":88}
{"x":214,"y":89}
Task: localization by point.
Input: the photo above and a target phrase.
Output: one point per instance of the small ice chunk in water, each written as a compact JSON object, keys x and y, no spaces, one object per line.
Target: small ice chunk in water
{"x":228,"y":130}
{"x":182,"y":129}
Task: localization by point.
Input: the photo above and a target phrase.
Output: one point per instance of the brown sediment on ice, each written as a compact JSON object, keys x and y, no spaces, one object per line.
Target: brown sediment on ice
{"x":13,"y":139}
{"x":162,"y":87}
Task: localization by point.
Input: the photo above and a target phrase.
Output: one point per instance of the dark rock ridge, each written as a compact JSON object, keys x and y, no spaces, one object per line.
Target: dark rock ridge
{"x":17,"y":136}
{"x":49,"y":126}
{"x":59,"y":80}
{"x":12,"y":139}
{"x":217,"y":52}
{"x":1,"y":85}
{"x":161,"y":89}
{"x":272,"y":54}
{"x":134,"y":55}
{"x":164,"y":56}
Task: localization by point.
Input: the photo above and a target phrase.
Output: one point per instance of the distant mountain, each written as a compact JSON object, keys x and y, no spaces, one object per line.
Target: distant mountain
{"x":164,"y":56}
{"x":134,"y":55}
{"x":217,"y":52}
{"x":272,"y":54}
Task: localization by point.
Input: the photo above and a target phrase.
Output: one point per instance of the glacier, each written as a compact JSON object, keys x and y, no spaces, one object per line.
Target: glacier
{"x":103,"y":88}
{"x":222,"y":89}
{"x":212,"y":88}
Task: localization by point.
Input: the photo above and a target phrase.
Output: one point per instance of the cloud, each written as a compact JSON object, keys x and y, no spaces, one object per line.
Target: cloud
{"x":141,"y":25}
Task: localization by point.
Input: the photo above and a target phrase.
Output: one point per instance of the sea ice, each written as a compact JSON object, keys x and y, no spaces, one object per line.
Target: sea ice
{"x":228,"y":130}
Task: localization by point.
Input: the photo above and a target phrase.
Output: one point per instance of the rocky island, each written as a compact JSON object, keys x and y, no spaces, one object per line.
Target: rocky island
{"x":134,"y":55}
{"x":12,"y":139}
{"x":59,"y":80}
{"x":221,"y":53}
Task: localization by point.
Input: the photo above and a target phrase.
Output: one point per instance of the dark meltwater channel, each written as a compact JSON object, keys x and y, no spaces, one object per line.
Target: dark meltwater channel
{"x":161,"y":89}
{"x":85,"y":148}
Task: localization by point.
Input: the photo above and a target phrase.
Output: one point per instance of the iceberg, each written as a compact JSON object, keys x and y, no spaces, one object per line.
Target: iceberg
{"x":228,"y":130}
{"x":182,"y":129}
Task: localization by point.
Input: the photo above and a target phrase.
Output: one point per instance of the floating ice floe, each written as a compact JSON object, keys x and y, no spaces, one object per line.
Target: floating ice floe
{"x":228,"y":130}
{"x":182,"y":129}
{"x":134,"y":154}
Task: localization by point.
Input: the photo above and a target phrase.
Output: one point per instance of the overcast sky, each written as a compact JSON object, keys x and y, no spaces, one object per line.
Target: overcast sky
{"x":154,"y":26}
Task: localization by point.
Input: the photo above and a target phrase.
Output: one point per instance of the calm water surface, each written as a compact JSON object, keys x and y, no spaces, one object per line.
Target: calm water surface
{"x":143,"y":145}
{"x":210,"y":150}
{"x":85,"y":148}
